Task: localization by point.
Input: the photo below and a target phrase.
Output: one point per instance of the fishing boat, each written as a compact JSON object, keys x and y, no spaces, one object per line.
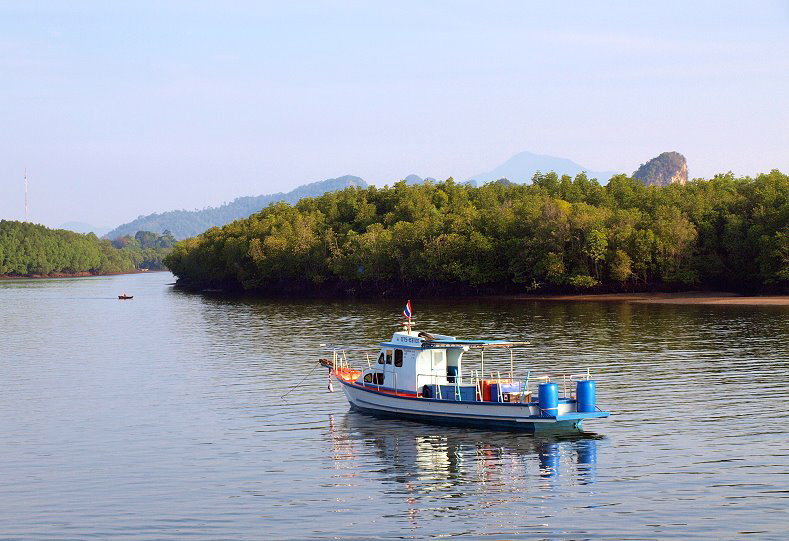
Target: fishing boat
{"x":428,"y":377}
{"x":125,"y":297}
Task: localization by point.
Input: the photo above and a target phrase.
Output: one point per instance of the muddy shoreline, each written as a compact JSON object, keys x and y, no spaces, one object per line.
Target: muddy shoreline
{"x":68,"y":275}
{"x":690,"y":297}
{"x":701,"y":298}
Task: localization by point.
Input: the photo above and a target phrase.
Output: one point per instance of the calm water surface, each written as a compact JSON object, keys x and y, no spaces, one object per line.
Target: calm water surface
{"x":162,"y":418}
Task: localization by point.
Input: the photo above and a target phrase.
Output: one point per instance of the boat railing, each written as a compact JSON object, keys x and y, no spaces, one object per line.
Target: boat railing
{"x":565,"y":381}
{"x":340,"y":355}
{"x":438,"y":380}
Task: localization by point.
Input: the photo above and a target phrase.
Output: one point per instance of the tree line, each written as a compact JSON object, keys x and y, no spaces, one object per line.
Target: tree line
{"x":32,"y":249}
{"x":556,"y":234}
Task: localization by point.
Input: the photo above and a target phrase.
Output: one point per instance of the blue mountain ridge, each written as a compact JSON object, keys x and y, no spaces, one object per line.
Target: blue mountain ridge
{"x":82,"y":227}
{"x":521,"y":168}
{"x":188,"y":223}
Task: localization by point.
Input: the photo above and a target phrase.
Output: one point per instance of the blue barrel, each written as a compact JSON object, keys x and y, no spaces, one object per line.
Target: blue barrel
{"x":585,"y":396}
{"x":548,"y":398}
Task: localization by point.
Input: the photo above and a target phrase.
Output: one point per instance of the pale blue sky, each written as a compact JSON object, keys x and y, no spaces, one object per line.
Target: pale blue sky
{"x":121,"y":109}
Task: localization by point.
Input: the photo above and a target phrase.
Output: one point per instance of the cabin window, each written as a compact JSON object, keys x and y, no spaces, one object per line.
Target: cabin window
{"x":398,"y":357}
{"x":381,"y":358}
{"x":376,"y":378}
{"x":388,"y":356}
{"x":439,"y":359}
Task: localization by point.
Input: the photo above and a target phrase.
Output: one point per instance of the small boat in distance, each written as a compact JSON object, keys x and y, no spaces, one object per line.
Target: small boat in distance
{"x":423,"y":377}
{"x":125,"y":297}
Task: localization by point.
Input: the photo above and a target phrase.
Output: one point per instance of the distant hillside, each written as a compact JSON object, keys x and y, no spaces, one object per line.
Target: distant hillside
{"x":188,"y":223}
{"x":412,"y":180}
{"x":668,"y":168}
{"x":521,"y":168}
{"x":82,"y":227}
{"x":415,"y":180}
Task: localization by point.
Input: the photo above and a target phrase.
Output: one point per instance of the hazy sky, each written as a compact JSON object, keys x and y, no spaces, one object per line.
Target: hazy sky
{"x":118,"y":109}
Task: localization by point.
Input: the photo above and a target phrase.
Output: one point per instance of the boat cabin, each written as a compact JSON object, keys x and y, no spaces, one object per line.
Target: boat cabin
{"x":412,"y":361}
{"x":404,"y":364}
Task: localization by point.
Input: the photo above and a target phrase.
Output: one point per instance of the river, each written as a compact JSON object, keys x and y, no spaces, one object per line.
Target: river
{"x":162,"y":417}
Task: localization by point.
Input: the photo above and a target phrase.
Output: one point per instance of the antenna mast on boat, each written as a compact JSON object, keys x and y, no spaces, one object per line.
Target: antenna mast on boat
{"x":25,"y":193}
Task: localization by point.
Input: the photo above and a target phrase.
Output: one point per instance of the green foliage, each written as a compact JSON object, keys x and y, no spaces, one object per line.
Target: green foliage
{"x":144,"y":250}
{"x":582,"y":281}
{"x":27,"y":249}
{"x":620,"y":267}
{"x":557,"y":232}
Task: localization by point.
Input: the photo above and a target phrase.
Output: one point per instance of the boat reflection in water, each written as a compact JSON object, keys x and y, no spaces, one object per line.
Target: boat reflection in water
{"x":428,"y":458}
{"x":585,"y":446}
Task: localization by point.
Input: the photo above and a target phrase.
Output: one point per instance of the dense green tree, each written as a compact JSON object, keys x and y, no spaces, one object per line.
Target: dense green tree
{"x":555,"y":233}
{"x":620,"y":267}
{"x":27,"y":249}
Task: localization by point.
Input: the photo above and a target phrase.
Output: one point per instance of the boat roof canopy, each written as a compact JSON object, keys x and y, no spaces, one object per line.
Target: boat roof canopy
{"x":473,"y":344}
{"x":423,"y":340}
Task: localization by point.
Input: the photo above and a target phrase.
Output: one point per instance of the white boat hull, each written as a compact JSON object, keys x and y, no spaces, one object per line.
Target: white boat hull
{"x":524,"y":417}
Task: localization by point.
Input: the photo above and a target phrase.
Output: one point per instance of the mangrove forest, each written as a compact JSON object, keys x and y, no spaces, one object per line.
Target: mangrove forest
{"x":28,"y":249}
{"x":555,"y":234}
